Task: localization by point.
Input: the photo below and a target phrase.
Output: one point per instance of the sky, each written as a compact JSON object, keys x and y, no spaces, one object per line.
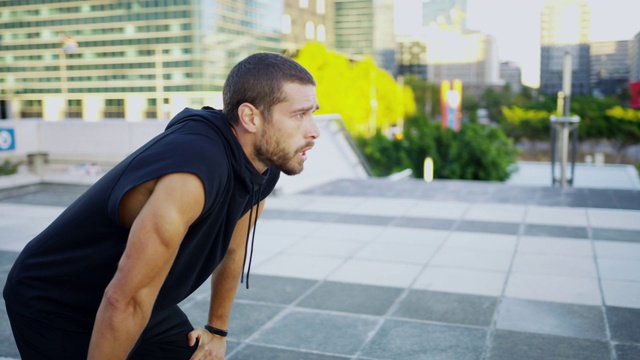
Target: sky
{"x":515,"y":24}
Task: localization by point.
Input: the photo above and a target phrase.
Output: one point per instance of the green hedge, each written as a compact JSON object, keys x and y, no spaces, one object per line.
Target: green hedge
{"x":476,"y":152}
{"x":8,"y":168}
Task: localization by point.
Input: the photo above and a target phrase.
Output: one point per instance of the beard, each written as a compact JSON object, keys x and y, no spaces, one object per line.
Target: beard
{"x":271,"y":151}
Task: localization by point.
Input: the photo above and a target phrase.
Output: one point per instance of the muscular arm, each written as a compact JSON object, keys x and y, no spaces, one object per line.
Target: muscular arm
{"x":161,"y":221}
{"x":224,"y":283}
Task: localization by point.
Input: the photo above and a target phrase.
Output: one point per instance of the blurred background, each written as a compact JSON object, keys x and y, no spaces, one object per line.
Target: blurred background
{"x":471,"y":84}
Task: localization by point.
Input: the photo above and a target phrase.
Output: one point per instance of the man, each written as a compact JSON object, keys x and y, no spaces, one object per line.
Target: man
{"x":104,"y":279}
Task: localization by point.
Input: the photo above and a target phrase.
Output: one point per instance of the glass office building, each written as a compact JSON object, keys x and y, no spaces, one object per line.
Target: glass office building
{"x":125,"y":59}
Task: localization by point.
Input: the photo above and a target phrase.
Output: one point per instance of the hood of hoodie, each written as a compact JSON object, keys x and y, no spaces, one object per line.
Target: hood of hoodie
{"x":244,"y":171}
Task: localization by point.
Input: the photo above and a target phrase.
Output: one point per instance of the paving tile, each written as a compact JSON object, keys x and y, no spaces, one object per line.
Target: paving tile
{"x":293,"y":228}
{"x":253,"y":352}
{"x":324,"y":247}
{"x":616,"y":235}
{"x":585,"y":291}
{"x":409,"y":235}
{"x":425,"y":223}
{"x":617,"y":250}
{"x":464,"y":281}
{"x":232,"y":346}
{"x":298,"y":266}
{"x":410,"y":340}
{"x":7,"y":257}
{"x":364,"y":219}
{"x":627,"y":352}
{"x":353,"y":298}
{"x":510,"y":345}
{"x":548,"y":264}
{"x":614,"y":219}
{"x":381,"y":273}
{"x":551,"y":318}
{"x":382,"y":206}
{"x":274,"y":289}
{"x":474,"y":240}
{"x":562,"y":216}
{"x":619,"y":269}
{"x":621,"y":293}
{"x":624,"y":324}
{"x":416,"y":253}
{"x":353,"y":232}
{"x":556,"y":231}
{"x":496,"y":212}
{"x":473,"y":259}
{"x":245,"y":318}
{"x":555,"y":246}
{"x":447,"y":308}
{"x":438,"y":209}
{"x":488,"y":227}
{"x":316,"y":331}
{"x":316,"y":216}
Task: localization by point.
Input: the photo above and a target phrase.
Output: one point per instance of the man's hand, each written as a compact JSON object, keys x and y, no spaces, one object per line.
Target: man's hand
{"x":210,"y":347}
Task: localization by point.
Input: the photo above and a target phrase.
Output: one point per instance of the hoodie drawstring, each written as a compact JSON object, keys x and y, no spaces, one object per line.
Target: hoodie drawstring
{"x":253,"y":234}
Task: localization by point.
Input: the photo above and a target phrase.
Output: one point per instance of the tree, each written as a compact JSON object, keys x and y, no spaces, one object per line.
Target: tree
{"x":624,"y":125}
{"x":367,"y":97}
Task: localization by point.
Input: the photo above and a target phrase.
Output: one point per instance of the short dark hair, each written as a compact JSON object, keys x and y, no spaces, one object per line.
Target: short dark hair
{"x":259,"y":80}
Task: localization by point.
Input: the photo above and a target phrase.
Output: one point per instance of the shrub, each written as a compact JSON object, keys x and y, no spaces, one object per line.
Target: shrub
{"x":476,"y":152}
{"x":8,"y":168}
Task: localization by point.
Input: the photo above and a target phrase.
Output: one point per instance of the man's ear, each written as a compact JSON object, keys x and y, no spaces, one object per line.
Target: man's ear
{"x":249,"y":117}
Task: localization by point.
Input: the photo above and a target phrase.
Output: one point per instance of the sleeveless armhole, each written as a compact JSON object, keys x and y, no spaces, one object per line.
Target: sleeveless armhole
{"x":190,"y":153}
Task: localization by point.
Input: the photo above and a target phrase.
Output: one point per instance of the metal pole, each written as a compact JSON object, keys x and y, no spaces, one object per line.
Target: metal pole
{"x":564,"y":137}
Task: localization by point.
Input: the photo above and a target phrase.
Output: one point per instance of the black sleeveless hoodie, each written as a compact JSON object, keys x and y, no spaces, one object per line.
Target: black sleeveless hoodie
{"x":61,"y":274}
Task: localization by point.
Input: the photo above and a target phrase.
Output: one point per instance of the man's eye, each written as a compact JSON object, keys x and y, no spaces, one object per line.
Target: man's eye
{"x":300,"y":116}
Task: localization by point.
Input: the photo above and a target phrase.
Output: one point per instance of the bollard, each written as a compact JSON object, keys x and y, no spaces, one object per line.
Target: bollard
{"x":37,"y":163}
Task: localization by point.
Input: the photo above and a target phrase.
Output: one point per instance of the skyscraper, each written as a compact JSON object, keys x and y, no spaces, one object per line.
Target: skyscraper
{"x":354,"y":27}
{"x":125,"y":59}
{"x":610,"y":66}
{"x":565,"y":28}
{"x":305,"y":21}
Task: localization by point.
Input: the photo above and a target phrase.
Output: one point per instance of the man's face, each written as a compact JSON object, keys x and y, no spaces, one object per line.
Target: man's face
{"x":286,"y":137}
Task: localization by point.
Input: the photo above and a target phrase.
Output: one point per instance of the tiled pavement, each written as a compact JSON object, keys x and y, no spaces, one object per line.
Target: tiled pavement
{"x":371,"y":269}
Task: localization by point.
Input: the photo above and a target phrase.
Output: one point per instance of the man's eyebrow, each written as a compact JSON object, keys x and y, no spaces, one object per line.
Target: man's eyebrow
{"x":314,"y":107}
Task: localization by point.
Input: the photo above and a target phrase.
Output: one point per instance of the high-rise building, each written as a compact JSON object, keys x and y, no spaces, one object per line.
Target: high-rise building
{"x":511,"y":73}
{"x":412,"y":57}
{"x":610,"y":67}
{"x":354,"y":27}
{"x":384,"y":39}
{"x":469,"y":56}
{"x":634,"y":58}
{"x":125,"y":59}
{"x":565,"y":29}
{"x":307,"y":20}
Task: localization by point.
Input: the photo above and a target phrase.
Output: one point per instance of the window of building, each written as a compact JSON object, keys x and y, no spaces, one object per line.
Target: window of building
{"x":286,"y":24}
{"x":320,"y":6}
{"x":310,"y":30}
{"x":321,"y":34}
{"x":304,"y":4}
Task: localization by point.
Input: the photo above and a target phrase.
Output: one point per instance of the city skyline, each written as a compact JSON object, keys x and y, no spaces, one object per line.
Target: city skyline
{"x":503,"y":18}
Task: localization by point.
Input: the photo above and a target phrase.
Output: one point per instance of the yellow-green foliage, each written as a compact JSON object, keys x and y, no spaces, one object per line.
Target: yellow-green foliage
{"x":522,"y":123}
{"x":622,"y":113}
{"x":516,"y":115}
{"x":367,"y":97}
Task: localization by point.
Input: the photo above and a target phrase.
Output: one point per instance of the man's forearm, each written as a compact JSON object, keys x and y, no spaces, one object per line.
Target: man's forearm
{"x":115,"y":332}
{"x":224,"y":284}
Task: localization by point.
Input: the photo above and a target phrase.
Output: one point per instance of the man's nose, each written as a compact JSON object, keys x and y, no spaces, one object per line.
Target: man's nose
{"x":314,"y":131}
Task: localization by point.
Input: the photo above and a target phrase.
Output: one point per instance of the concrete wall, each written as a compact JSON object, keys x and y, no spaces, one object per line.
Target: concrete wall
{"x":107,"y":142}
